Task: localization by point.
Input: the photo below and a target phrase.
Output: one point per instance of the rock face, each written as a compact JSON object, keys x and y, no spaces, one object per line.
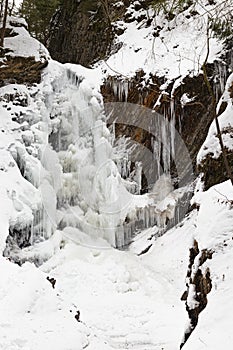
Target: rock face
{"x":81,"y":32}
{"x":16,"y":67}
{"x":213,"y":168}
{"x":199,"y":285}
{"x":192,"y":117}
{"x":20,"y":70}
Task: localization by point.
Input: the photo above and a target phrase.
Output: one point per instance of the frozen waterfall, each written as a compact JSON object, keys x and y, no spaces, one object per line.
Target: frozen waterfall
{"x":84,"y":178}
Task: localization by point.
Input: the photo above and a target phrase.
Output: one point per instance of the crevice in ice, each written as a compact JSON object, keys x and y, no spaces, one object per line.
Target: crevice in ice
{"x":20,"y":236}
{"x":73,"y":78}
{"x":146,"y":250}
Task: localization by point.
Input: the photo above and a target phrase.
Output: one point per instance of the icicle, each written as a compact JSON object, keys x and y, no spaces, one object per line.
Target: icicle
{"x":138,"y":176}
{"x":119,"y":236}
{"x":126,"y":90}
{"x":115,"y":87}
{"x":172,"y":127}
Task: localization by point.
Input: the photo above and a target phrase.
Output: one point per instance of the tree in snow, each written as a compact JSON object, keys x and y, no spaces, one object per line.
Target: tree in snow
{"x":169,"y":8}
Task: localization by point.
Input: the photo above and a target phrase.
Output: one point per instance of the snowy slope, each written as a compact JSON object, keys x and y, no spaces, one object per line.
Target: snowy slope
{"x":33,"y":316}
{"x":170,"y":49}
{"x":125,"y":301}
{"x":214,"y":231}
{"x":211,"y":144}
{"x":25,"y":47}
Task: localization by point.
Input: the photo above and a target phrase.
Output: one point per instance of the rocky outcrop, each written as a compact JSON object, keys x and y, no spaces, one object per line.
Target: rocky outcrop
{"x":189,"y":104}
{"x":214,"y":170}
{"x":83,"y":31}
{"x":88,"y":35}
{"x":83,"y":37}
{"x":16,"y":68}
{"x":21,"y":70}
{"x":198,"y":284}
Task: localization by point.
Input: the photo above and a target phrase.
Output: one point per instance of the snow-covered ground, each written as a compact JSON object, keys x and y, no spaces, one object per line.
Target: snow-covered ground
{"x":125,"y":300}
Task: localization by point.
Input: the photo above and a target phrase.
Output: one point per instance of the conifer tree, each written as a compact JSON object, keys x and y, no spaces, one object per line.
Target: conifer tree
{"x":38,"y":14}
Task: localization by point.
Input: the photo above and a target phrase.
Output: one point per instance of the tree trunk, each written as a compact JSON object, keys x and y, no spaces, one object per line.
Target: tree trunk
{"x":1,"y":8}
{"x":3,"y":29}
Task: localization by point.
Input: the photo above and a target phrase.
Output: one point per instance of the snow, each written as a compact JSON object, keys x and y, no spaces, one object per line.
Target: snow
{"x":179,"y":49}
{"x":23,"y":44}
{"x":28,"y":306}
{"x":119,"y":282}
{"x":215,"y":203}
{"x":17,"y":2}
{"x":66,"y":192}
{"x":124,"y":301}
{"x":211,"y":145}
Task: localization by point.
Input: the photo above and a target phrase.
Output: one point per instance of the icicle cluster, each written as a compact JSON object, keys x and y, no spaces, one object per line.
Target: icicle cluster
{"x":120,"y":88}
{"x":82,"y":176}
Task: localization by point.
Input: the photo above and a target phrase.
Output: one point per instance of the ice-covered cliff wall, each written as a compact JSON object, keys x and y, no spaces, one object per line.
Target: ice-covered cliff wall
{"x":60,"y":166}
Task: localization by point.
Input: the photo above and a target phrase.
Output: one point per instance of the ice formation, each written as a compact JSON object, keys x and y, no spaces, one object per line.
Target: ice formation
{"x":99,"y":191}
{"x":71,"y":170}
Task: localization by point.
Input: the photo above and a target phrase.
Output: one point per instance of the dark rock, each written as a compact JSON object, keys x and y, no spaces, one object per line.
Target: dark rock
{"x":184,"y":296}
{"x":9,"y":33}
{"x":203,"y":285}
{"x":77,"y":316}
{"x":192,"y":120}
{"x":83,"y":37}
{"x":214,"y":170}
{"x":21,"y":70}
{"x":52,"y":281}
{"x":83,"y":31}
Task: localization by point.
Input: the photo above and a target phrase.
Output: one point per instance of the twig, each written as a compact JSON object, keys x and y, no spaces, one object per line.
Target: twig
{"x":229,"y":200}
